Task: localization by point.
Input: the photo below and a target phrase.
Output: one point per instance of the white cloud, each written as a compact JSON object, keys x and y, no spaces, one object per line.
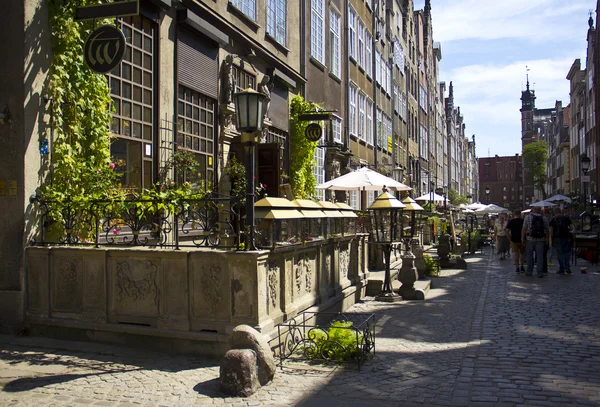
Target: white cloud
{"x":517,"y":19}
{"x":489,"y":98}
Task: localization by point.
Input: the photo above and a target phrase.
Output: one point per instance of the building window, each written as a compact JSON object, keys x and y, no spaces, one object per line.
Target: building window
{"x":380,"y":128}
{"x":132,"y":93}
{"x":354,"y":201}
{"x":424,"y":149}
{"x":243,"y":80}
{"x":196,"y":130}
{"x":361,"y":117}
{"x":317,"y":50}
{"x":377,"y":67}
{"x":369,"y":121}
{"x":334,"y":43}
{"x":368,"y":53}
{"x":352,"y":113}
{"x":352,"y":32}
{"x":370,"y":198}
{"x":276,"y":19}
{"x":361,"y":43}
{"x":319,"y":171}
{"x":336,"y":129}
{"x":248,"y":7}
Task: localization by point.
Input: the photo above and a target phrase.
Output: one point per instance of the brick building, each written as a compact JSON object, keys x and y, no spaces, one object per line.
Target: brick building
{"x":503,"y":177}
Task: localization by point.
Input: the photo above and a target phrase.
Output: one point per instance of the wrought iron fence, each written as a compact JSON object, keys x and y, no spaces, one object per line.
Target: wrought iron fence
{"x":209,"y":222}
{"x":327,"y":337}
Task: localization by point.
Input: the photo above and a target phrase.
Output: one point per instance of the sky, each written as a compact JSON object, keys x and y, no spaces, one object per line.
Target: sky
{"x":487,"y":46}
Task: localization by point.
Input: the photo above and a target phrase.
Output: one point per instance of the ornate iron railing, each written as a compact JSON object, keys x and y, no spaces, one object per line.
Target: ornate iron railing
{"x":314,"y":336}
{"x":208,"y":222}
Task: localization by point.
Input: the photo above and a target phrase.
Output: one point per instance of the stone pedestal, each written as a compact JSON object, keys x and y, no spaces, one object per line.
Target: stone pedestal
{"x":443,"y":249}
{"x":417,"y":251}
{"x":407,"y":276}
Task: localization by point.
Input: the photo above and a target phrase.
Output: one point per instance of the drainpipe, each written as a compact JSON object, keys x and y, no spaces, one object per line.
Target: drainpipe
{"x":393,"y":70}
{"x":347,"y":65}
{"x":303,"y":46}
{"x":373,"y":57}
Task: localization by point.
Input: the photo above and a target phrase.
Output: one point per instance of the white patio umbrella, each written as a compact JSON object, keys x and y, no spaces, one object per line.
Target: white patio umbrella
{"x":363,"y":179}
{"x":543,"y":204}
{"x":467,"y":210}
{"x":430,"y":197}
{"x":559,"y":198}
{"x":476,"y":205}
{"x":491,"y":208}
{"x":526,"y":211}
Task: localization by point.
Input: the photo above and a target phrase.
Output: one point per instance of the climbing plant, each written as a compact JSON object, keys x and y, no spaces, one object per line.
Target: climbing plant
{"x":302,"y":151}
{"x":81,"y":107}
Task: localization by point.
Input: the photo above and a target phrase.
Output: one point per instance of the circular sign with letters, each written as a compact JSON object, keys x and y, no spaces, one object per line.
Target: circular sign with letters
{"x":313,"y":132}
{"x":104,"y":49}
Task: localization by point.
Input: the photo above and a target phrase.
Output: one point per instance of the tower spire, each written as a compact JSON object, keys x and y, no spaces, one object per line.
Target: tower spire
{"x":527,"y":75}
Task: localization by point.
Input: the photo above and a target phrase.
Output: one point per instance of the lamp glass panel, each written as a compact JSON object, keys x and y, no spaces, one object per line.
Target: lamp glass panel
{"x":253,"y":111}
{"x":242,"y":110}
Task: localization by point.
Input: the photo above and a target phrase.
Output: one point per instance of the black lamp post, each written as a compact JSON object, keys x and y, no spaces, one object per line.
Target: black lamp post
{"x":249,"y":122}
{"x":386,"y":224}
{"x":487,"y":193}
{"x":586,"y":217}
{"x":585,"y":167}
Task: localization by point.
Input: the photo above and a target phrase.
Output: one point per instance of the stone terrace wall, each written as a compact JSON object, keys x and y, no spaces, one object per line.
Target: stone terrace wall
{"x":195,"y":297}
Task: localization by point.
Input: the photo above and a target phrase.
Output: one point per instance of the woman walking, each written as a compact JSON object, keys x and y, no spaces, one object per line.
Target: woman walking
{"x":502,"y":242}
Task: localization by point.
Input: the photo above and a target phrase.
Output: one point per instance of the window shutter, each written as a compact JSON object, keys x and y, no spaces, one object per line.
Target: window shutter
{"x":197,"y":62}
{"x":279,"y":111}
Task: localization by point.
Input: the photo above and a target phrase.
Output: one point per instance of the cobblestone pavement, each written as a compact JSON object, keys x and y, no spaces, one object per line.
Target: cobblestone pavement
{"x":484,"y":337}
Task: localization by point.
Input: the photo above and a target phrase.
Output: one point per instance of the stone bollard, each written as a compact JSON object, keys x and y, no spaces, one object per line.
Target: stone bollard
{"x":246,"y":337}
{"x":248,"y":365}
{"x":238,"y":373}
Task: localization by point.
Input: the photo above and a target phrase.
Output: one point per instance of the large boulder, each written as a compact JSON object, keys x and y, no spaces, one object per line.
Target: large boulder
{"x":238,"y":374}
{"x":246,"y":337}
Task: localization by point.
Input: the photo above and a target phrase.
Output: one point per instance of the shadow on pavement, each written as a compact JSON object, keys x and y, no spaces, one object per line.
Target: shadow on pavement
{"x":31,"y":383}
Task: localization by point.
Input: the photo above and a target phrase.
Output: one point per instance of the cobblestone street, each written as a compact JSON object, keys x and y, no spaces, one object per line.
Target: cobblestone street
{"x":484,"y":336}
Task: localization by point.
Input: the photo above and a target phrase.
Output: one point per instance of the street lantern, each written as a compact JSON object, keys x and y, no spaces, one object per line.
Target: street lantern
{"x":249,"y":110}
{"x":398,"y":173}
{"x":585,"y":163}
{"x":413,"y":207}
{"x":487,"y":193}
{"x":249,"y":121}
{"x":386,"y":227}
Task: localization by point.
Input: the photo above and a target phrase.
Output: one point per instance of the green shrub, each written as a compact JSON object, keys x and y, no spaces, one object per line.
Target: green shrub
{"x":339,"y":342}
{"x":432,"y":266}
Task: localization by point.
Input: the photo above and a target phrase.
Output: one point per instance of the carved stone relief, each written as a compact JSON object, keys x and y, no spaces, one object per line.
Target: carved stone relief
{"x":344,"y":262}
{"x":138,"y":285}
{"x":210,"y":279}
{"x":67,"y":277}
{"x":272,"y":284}
{"x":303,"y":274}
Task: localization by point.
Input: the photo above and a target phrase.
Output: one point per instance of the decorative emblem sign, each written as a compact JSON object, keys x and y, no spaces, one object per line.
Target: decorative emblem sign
{"x":104,"y":49}
{"x":313,"y":132}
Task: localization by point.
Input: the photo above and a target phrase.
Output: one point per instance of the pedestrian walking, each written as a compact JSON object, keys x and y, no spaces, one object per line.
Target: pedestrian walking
{"x":561,"y":228}
{"x":535,"y":235}
{"x":513,"y":231}
{"x":502,"y":242}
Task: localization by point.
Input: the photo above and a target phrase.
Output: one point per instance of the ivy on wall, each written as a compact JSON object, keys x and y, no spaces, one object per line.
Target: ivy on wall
{"x":302,"y":151}
{"x":81,"y":167}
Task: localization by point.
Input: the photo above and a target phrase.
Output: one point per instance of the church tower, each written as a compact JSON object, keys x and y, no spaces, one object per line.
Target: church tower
{"x":528,"y":135}
{"x":527,"y":110}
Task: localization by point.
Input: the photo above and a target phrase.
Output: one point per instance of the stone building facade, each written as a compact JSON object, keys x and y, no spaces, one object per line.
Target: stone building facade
{"x":372,"y":65}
